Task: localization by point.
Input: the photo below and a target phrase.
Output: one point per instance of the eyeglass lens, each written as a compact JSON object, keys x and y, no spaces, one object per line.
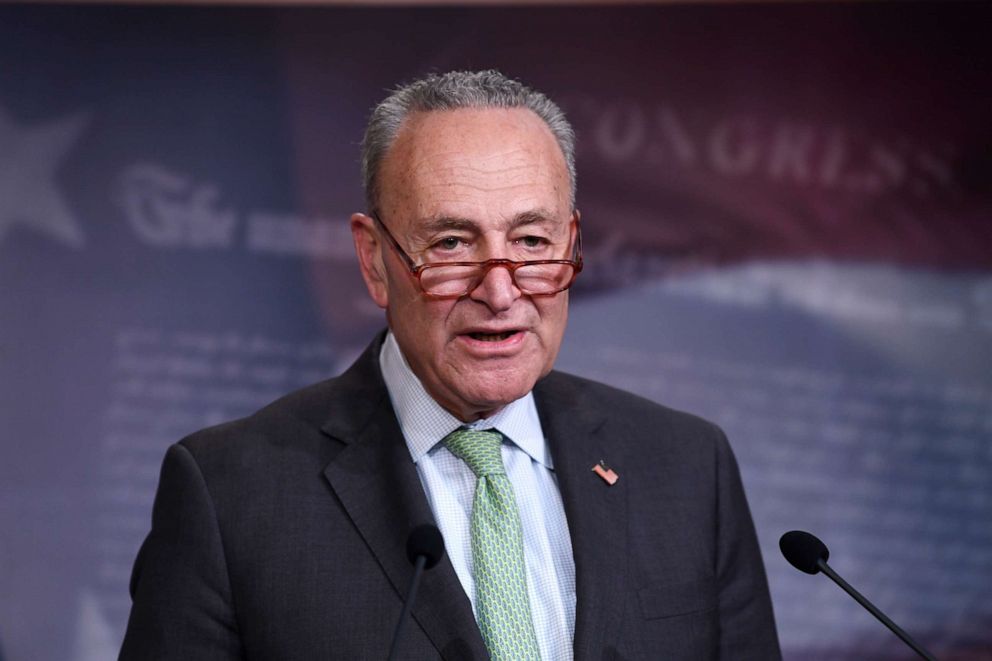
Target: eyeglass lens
{"x":454,"y":280}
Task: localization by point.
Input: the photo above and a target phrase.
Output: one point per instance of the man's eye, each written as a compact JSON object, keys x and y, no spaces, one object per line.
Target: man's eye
{"x":448,"y":243}
{"x":534,"y":241}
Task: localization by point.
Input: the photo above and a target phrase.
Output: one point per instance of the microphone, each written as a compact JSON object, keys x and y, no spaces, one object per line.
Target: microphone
{"x":424,"y":548}
{"x":803,"y":550}
{"x":808,"y":554}
{"x":425,"y":542}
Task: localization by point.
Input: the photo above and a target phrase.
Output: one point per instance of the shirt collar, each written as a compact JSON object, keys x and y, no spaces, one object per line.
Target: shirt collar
{"x":424,"y":422}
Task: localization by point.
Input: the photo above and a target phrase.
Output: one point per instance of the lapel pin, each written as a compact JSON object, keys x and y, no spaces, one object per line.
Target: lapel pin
{"x":605,"y":472}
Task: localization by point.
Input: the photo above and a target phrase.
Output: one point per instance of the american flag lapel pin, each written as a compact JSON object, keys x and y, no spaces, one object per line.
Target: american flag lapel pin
{"x":608,"y":474}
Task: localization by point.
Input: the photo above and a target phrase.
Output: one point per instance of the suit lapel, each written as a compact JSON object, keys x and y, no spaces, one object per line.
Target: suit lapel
{"x":596,"y":512}
{"x":377,"y":484}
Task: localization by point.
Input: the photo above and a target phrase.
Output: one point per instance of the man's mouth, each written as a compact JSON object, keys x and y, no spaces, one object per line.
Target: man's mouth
{"x":492,"y":337}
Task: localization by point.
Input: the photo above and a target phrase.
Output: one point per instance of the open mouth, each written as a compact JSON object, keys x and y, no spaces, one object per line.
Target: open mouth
{"x":492,"y":337}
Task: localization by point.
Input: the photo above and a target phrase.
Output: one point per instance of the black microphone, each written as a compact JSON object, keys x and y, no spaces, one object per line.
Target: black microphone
{"x":424,"y":548}
{"x":807,"y":553}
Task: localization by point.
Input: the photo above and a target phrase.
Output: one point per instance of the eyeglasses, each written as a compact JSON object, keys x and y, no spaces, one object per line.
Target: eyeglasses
{"x":540,"y":277}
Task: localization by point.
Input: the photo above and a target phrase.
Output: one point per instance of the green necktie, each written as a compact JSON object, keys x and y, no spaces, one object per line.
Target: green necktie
{"x":497,"y":550}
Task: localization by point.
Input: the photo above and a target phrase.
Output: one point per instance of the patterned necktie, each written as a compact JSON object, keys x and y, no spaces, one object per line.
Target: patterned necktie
{"x":497,"y":550}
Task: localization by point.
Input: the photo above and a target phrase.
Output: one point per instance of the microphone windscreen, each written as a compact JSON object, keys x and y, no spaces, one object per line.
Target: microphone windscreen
{"x":803,"y":550}
{"x":425,"y":540}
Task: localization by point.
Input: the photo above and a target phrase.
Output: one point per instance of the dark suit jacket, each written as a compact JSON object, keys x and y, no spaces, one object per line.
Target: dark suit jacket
{"x":282,"y":535}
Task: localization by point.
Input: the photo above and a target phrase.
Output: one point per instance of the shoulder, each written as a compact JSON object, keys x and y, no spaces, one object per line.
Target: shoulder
{"x":614,"y":407}
{"x":295,"y":411}
{"x":648,"y":437}
{"x":304,"y":422}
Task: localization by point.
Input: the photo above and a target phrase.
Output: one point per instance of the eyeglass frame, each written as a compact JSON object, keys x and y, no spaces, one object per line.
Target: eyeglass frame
{"x":416,"y":270}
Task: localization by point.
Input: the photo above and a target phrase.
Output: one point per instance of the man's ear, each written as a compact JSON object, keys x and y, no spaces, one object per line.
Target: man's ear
{"x":367,"y":247}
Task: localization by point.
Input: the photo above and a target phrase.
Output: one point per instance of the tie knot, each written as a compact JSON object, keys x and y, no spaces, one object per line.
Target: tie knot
{"x":480,"y":449}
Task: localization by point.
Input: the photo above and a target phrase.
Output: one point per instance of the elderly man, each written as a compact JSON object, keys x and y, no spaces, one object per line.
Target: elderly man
{"x":281,"y":536}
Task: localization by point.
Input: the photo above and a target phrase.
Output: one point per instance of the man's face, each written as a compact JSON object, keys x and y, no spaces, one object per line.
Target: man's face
{"x":471,"y":185}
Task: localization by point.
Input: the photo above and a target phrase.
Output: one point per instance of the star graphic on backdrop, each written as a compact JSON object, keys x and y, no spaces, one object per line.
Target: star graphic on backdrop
{"x":29,"y":158}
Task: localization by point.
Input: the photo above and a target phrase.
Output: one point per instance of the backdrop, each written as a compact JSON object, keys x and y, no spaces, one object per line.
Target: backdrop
{"x":787,"y":216}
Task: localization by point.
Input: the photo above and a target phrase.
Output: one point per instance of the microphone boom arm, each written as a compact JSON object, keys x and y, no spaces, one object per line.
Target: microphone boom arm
{"x":418,"y":571}
{"x":870,"y":607}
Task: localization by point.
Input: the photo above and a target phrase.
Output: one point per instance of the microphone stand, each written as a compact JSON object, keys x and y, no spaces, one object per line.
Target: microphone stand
{"x":870,"y":607}
{"x":418,"y":570}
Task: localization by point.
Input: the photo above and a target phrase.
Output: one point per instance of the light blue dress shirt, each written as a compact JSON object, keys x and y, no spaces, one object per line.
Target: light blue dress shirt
{"x":450,"y":488}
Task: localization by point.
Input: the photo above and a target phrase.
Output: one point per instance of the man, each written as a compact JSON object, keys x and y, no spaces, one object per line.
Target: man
{"x":281,"y":536}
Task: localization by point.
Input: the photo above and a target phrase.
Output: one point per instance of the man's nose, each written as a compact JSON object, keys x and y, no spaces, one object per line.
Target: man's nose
{"x":496,"y":290}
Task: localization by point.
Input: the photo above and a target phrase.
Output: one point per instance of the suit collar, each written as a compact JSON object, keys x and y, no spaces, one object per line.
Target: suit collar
{"x":579,"y":436}
{"x":376,"y":482}
{"x":361,"y":391}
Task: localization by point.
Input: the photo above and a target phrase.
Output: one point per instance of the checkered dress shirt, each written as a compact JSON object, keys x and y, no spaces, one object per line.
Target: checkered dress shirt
{"x":450,"y":488}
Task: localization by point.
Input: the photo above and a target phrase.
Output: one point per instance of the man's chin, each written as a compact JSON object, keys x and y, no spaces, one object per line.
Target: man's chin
{"x":485,"y":401}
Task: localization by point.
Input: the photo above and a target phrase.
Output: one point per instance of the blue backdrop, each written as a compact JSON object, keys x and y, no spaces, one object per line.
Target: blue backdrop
{"x":787,"y":216}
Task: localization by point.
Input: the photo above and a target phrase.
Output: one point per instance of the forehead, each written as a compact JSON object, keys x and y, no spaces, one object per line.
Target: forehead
{"x":484,"y":165}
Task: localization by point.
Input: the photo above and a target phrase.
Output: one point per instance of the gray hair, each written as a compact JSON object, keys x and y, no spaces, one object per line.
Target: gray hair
{"x":450,"y":91}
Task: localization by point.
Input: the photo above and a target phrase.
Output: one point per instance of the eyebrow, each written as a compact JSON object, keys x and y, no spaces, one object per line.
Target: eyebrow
{"x":535,"y":217}
{"x":441,"y":223}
